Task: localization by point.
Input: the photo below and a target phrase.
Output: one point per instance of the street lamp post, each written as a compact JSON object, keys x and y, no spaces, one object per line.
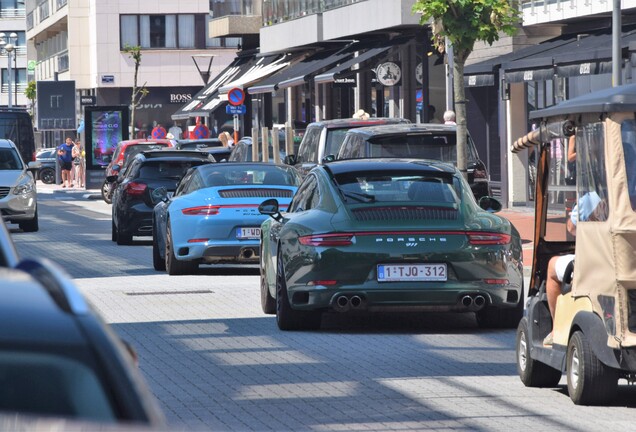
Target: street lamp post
{"x":9,"y":48}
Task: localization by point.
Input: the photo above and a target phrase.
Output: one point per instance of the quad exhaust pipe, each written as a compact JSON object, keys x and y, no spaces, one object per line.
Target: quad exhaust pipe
{"x":473,"y":302}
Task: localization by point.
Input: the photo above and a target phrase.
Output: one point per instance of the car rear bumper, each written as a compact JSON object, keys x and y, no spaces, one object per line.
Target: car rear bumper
{"x":450,"y":296}
{"x":243,"y":253}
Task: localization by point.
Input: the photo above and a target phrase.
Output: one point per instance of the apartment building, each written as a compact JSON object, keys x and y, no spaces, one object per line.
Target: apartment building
{"x":12,"y":20}
{"x":84,"y":41}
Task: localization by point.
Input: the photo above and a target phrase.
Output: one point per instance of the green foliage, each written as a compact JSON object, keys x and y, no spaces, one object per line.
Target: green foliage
{"x":464,"y":22}
{"x":31,"y":91}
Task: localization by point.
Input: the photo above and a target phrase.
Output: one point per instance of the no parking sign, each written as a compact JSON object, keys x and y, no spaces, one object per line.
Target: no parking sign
{"x":236,"y":96}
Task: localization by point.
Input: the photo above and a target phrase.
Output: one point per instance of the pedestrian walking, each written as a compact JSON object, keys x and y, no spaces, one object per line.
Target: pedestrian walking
{"x":65,"y":159}
{"x":176,"y":131}
{"x":449,"y":117}
{"x":226,"y":139}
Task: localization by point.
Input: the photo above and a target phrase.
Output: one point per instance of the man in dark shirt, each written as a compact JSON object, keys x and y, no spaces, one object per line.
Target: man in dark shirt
{"x":65,"y":159}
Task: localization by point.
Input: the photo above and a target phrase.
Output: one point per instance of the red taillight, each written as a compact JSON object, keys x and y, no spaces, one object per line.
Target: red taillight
{"x":198,"y":240}
{"x":208,"y":210}
{"x":335,"y":239}
{"x":496,"y":281}
{"x":486,"y":238}
{"x":322,"y":282}
{"x":135,"y":188}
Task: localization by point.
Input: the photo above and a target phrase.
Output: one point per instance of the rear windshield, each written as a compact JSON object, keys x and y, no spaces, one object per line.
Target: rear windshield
{"x":398,"y":187}
{"x":166,"y":169}
{"x":9,"y":160}
{"x":257,"y":174}
{"x":133,"y":150}
{"x":422,"y":146}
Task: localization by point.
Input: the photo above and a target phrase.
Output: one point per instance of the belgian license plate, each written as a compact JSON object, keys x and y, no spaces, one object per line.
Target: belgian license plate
{"x":411,"y":272}
{"x":248,"y":233}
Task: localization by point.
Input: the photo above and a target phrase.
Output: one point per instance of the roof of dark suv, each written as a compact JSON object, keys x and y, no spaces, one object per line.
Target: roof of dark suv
{"x":402,"y":128}
{"x":351,"y":122}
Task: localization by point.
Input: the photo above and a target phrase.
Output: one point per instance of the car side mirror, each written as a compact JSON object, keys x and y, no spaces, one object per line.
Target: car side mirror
{"x":270,"y":208}
{"x":116,"y":168}
{"x":290,"y":160}
{"x":112,"y":178}
{"x":328,"y":158}
{"x":490,"y":204}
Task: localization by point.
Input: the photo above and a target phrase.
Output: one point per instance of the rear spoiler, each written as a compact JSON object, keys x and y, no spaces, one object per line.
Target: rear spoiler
{"x":543,"y":134}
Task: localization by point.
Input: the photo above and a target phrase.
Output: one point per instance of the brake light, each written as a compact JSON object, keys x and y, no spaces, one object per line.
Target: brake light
{"x":496,"y":281}
{"x":135,"y":188}
{"x":335,"y":239}
{"x":486,"y":238}
{"x":322,"y":282}
{"x":198,"y":240}
{"x":208,"y":210}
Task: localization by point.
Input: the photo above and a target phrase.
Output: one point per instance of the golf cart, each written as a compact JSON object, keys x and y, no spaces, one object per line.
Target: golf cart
{"x":594,"y":330}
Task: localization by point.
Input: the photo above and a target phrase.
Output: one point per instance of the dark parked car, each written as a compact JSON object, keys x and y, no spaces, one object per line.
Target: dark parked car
{"x":325,"y":137}
{"x":43,"y":167}
{"x":421,"y":141}
{"x":133,"y":198}
{"x":198,"y":144}
{"x":124,"y":152}
{"x":57,"y":356}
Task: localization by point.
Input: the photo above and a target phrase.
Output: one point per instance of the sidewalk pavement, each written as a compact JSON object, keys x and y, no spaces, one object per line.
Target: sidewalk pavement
{"x":521,"y":217}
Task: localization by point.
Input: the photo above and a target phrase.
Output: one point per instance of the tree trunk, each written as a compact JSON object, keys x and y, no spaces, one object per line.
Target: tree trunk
{"x":133,"y":102}
{"x":460,"y":112}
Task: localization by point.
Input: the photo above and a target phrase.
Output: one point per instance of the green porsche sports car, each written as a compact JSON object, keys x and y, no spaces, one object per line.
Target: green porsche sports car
{"x":389,"y":234}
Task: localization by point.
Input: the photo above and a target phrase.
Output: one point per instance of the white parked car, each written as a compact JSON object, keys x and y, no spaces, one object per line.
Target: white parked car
{"x":18,"y":198}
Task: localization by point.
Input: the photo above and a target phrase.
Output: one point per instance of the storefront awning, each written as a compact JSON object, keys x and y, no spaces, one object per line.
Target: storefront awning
{"x":344,"y":69}
{"x":301,"y":71}
{"x":209,"y":92}
{"x":482,"y":80}
{"x":262,"y":68}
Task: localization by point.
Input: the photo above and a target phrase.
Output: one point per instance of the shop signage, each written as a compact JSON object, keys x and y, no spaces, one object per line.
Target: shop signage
{"x":88,"y":100}
{"x":180,"y":97}
{"x":108,"y":79}
{"x":345,"y":82}
{"x":419,"y":73}
{"x":389,"y":74}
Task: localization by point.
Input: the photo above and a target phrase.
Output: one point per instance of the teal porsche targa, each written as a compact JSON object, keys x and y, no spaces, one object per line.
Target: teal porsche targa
{"x":389,"y":234}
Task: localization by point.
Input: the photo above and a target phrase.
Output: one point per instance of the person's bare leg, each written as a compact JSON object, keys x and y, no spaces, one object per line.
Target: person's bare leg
{"x":64,"y":178}
{"x":552,"y":285}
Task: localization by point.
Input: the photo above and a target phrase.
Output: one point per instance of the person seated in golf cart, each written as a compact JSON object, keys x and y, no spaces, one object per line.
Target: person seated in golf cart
{"x":589,"y":207}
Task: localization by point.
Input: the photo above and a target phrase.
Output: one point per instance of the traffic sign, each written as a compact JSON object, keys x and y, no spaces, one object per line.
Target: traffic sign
{"x":239,"y":109}
{"x":236,"y":96}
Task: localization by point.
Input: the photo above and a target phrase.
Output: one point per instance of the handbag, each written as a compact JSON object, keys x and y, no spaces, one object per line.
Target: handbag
{"x":570,"y":180}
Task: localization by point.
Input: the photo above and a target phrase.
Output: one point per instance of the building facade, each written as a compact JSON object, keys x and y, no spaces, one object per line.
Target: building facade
{"x":12,"y":20}
{"x":85,"y":40}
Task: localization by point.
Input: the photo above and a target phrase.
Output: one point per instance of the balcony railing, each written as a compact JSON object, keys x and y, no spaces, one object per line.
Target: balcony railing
{"x":19,"y":86}
{"x":278,"y":11}
{"x":235,"y":7}
{"x":12,"y":13}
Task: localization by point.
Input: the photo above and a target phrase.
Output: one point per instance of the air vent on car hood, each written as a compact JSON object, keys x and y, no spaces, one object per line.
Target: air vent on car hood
{"x":404,"y":213}
{"x":4,"y":191}
{"x":256,"y":193}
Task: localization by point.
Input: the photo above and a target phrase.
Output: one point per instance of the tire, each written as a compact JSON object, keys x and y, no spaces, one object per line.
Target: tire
{"x":286,"y":317}
{"x":31,"y":225}
{"x":493,"y":317}
{"x":113,"y":231}
{"x":47,"y":175}
{"x":533,"y":373}
{"x":590,"y":382}
{"x":106,"y":192}
{"x":268,"y":303}
{"x":158,"y":262}
{"x":122,"y":239}
{"x":172,"y":264}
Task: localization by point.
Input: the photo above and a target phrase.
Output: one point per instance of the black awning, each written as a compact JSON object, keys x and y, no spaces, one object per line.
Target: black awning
{"x":586,"y":68}
{"x":483,"y":80}
{"x":529,"y":75}
{"x":194,"y":107}
{"x":300,"y":71}
{"x":344,"y":69}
